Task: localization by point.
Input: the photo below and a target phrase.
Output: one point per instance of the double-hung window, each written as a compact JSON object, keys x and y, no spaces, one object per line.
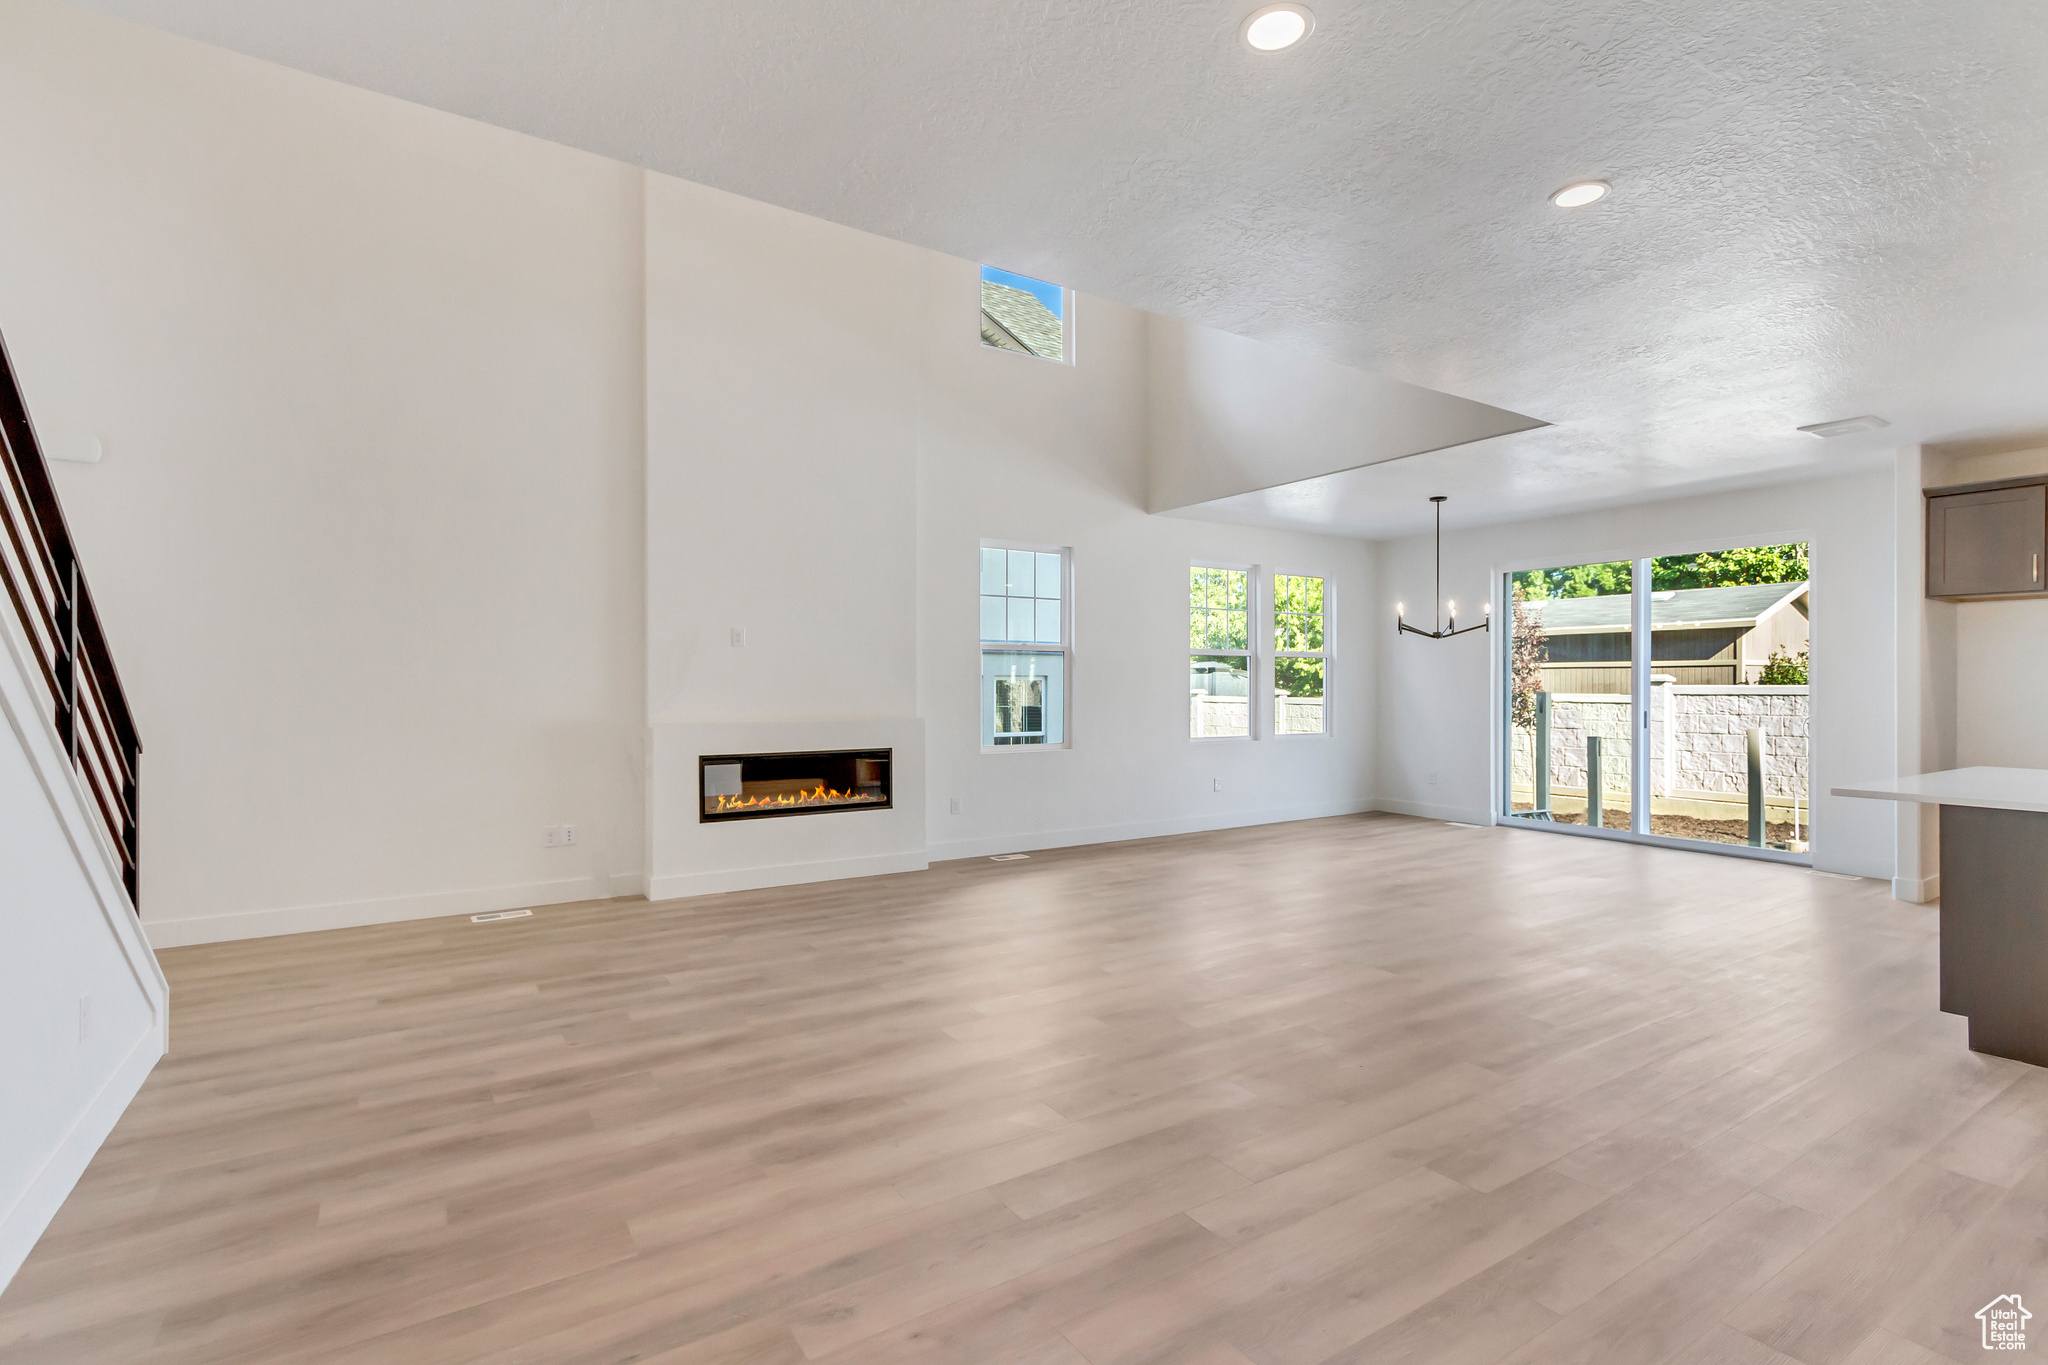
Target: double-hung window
{"x":1301,"y":655}
{"x":1220,"y":654}
{"x":1026,"y":644}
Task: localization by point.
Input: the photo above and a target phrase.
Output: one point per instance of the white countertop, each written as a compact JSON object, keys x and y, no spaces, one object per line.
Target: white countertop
{"x":1996,"y":788}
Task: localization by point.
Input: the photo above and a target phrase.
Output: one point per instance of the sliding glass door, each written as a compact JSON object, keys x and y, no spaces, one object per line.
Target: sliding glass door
{"x":1571,"y":750}
{"x":1663,"y":699}
{"x":1729,"y":703}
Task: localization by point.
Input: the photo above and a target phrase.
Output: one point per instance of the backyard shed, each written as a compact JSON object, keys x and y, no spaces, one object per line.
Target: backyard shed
{"x":1698,"y":636}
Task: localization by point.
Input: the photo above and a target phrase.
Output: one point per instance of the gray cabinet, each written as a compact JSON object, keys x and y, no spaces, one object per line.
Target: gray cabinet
{"x":1987,"y":540}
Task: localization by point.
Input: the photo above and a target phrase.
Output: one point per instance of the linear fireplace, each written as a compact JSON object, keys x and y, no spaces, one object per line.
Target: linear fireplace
{"x":755,"y":786}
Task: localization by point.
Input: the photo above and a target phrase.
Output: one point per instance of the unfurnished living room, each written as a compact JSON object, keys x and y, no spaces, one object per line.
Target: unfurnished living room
{"x":970,"y":684}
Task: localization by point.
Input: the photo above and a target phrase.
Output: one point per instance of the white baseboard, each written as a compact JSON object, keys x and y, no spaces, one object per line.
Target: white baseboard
{"x":676,"y":885}
{"x":1917,"y":890}
{"x":1116,"y":834}
{"x":301,"y":919}
{"x":1430,"y":810}
{"x":52,"y":1185}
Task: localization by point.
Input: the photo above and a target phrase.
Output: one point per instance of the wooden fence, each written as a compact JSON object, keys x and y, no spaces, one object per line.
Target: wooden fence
{"x":1614,"y":677}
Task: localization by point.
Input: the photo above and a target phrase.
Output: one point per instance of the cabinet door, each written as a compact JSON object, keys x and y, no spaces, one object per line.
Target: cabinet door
{"x":1986,"y":543}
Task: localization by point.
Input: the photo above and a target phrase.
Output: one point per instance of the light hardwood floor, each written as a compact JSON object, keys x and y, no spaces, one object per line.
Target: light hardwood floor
{"x":1361,"y":1090}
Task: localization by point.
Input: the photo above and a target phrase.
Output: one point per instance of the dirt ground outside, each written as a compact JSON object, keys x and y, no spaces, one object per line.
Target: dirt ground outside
{"x":1692,"y":827}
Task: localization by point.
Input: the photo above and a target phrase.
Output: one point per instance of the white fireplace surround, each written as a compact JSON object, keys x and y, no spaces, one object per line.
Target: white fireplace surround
{"x":692,"y":858}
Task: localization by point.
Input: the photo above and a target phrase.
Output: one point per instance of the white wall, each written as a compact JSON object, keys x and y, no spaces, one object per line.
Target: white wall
{"x":2001,"y":661}
{"x":1231,"y":415}
{"x":367,"y":533}
{"x":1438,"y":730}
{"x":1019,"y":449}
{"x":783,"y":392}
{"x":82,"y":1005}
{"x":828,"y":444}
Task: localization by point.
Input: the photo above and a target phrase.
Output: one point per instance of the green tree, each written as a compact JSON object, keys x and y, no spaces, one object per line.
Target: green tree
{"x":1217,"y":608}
{"x":1574,"y":580}
{"x":1525,"y":661}
{"x":1298,"y":624}
{"x":1717,"y":569}
{"x":1732,"y":568}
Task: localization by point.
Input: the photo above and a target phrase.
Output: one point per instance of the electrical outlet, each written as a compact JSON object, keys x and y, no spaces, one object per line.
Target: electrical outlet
{"x":551,"y":837}
{"x":568,"y":835}
{"x":1432,"y":779}
{"x":956,"y":805}
{"x":84,"y":1017}
{"x":1215,"y":784}
{"x":739,"y":638}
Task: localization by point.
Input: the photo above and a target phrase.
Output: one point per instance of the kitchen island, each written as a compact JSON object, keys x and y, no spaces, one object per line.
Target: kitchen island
{"x":1994,"y":899}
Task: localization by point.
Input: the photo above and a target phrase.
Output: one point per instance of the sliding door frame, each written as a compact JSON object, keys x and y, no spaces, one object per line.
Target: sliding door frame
{"x":1639,"y":642}
{"x":1640,"y":601}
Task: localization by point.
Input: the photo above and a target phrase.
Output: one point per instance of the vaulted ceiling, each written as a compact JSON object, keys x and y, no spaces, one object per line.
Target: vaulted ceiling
{"x":1820,"y":208}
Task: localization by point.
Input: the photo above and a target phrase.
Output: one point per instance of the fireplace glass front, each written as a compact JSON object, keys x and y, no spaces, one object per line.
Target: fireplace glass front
{"x":754,"y":786}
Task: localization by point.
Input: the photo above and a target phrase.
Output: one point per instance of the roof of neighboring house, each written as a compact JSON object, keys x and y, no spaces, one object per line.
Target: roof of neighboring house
{"x":1016,"y":321}
{"x":1677,"y":609}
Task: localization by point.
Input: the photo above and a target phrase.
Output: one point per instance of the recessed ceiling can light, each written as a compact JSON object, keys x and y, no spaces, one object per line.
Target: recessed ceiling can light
{"x":1277,"y":27}
{"x":1579,"y":195}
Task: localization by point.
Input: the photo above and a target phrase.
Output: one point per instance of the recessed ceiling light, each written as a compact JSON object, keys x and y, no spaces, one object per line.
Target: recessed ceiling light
{"x":1579,"y":195}
{"x":1277,"y":27}
{"x":1846,"y":426}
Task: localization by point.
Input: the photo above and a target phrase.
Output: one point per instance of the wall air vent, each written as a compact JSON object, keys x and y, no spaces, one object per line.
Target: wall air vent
{"x":1847,"y":426}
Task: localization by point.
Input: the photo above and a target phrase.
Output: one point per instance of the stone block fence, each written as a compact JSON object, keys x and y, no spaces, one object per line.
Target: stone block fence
{"x":1226,"y":715}
{"x":1699,"y":748}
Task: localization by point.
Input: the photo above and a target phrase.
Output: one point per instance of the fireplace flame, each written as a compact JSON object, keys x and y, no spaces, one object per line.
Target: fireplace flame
{"x":820,"y":795}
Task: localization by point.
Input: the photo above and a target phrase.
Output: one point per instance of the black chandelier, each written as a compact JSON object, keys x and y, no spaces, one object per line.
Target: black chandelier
{"x":1439,"y":633}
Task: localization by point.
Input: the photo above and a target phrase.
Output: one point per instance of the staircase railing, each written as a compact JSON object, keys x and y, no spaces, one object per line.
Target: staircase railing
{"x":39,"y":566}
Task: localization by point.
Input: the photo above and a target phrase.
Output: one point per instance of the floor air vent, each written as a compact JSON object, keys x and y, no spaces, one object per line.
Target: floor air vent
{"x":1009,"y":857}
{"x":489,"y":916}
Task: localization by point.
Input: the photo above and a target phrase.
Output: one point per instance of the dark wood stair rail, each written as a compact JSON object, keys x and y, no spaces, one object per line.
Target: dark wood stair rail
{"x":39,"y":565}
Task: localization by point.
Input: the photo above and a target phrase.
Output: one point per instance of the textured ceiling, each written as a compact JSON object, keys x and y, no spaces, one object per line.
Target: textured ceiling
{"x":1821,"y":209}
